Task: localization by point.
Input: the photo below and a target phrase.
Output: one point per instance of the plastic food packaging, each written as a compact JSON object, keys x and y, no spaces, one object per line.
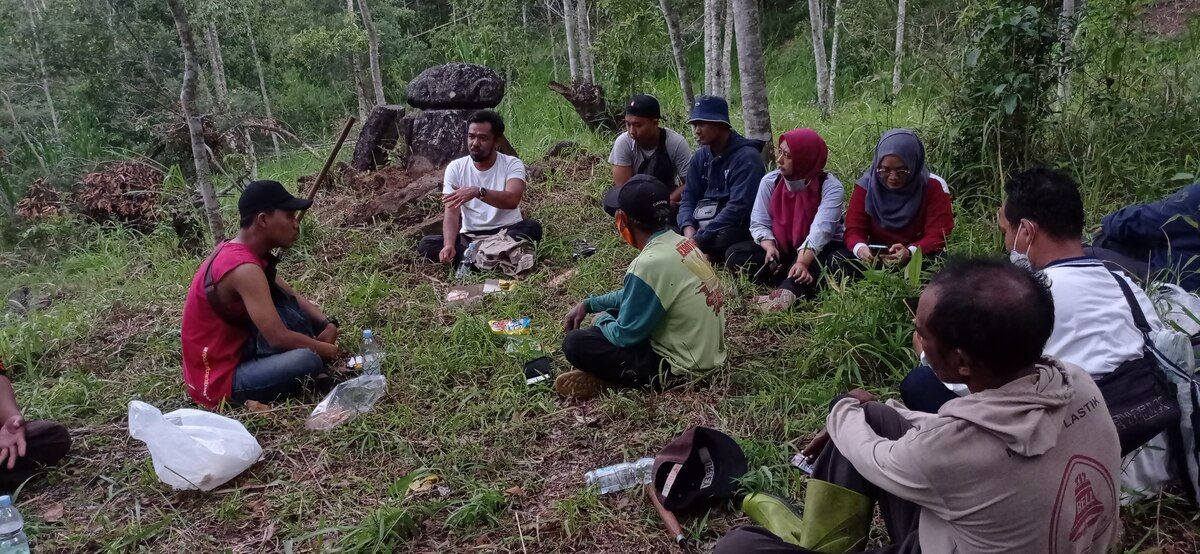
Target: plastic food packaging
{"x":193,"y":449}
{"x":346,"y":401}
{"x":519,"y":326}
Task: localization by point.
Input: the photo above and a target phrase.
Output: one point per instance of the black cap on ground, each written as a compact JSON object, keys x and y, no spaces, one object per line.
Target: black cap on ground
{"x":700,"y":465}
{"x":643,"y":105}
{"x":261,"y":196}
{"x":643,"y":198}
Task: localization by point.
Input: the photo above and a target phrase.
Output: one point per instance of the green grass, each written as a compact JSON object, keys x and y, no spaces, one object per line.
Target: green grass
{"x":457,"y":405}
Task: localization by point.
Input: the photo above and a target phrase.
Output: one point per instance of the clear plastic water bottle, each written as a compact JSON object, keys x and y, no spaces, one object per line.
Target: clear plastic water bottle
{"x":468,"y":259}
{"x":372,"y":354}
{"x":12,"y":529}
{"x":620,"y":476}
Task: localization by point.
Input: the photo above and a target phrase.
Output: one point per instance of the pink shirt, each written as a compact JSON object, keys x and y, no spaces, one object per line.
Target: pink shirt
{"x":212,"y":348}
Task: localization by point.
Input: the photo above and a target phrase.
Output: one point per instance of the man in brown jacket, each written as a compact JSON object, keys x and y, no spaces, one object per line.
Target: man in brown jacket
{"x":1026,"y":463}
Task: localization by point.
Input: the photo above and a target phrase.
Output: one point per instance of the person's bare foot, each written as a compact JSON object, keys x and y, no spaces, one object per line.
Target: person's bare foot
{"x":579,"y":384}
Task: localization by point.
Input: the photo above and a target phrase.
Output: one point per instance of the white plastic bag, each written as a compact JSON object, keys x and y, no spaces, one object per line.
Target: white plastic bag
{"x":193,"y":449}
{"x":346,"y":401}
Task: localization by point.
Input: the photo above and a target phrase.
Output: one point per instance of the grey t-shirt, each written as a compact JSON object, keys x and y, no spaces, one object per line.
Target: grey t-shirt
{"x":626,"y":152}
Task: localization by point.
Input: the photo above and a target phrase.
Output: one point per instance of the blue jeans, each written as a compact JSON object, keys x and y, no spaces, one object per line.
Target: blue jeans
{"x":922,"y":391}
{"x":266,"y":373}
{"x":269,"y":378}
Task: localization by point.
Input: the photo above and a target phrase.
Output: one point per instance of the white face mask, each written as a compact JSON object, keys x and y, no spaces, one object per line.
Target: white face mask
{"x":1019,"y":259}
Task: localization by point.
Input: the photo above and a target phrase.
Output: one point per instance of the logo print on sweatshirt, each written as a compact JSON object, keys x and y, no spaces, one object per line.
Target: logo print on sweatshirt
{"x":710,"y":285}
{"x":1084,"y":507}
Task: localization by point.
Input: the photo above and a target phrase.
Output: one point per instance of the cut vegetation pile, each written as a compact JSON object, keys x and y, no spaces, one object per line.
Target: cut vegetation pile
{"x":127,"y":192}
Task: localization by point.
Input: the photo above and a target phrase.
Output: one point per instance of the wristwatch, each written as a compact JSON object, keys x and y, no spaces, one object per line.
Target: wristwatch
{"x":328,"y":321}
{"x":482,"y":192}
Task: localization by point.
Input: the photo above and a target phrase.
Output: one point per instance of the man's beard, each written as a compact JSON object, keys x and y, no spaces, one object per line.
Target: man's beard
{"x":479,"y":155}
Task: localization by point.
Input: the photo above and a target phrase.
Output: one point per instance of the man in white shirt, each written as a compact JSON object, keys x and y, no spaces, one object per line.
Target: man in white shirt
{"x":1042,"y":222}
{"x":481,"y":193}
{"x":645,"y":148}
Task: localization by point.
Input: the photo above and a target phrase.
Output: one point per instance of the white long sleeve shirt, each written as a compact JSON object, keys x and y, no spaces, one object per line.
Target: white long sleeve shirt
{"x":826,"y":226}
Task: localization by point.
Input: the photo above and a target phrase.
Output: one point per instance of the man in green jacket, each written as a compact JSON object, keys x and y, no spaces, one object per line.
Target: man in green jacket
{"x":667,"y":320}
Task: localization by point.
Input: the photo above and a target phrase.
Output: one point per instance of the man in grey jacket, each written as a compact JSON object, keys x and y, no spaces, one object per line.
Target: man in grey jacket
{"x":1026,"y":463}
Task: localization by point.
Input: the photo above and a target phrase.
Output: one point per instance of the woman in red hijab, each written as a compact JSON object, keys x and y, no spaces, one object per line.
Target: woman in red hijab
{"x":794,"y":224}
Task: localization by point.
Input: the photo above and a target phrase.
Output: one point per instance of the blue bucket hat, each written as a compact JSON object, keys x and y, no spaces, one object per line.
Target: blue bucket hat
{"x":710,"y":108}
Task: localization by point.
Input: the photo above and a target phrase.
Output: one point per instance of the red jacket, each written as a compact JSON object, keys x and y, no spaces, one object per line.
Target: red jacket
{"x":927,"y":231}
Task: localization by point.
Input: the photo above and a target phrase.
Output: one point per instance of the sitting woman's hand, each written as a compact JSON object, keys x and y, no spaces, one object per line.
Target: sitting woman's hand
{"x":799,"y":273}
{"x":898,"y":254}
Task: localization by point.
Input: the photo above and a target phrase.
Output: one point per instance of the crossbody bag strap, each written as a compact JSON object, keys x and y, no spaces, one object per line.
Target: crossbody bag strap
{"x":1135,"y":307}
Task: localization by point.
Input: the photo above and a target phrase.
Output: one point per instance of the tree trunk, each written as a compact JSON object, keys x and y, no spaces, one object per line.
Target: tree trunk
{"x":360,"y":89}
{"x":217,"y":62}
{"x":677,"y":50}
{"x":373,"y":49}
{"x":583,"y":42}
{"x":727,"y":52}
{"x":900,"y":13}
{"x":187,"y":99}
{"x":831,"y":96}
{"x":817,"y":31}
{"x":31,"y":10}
{"x":588,"y":101}
{"x":753,"y":77}
{"x":572,"y":48}
{"x":262,"y":81}
{"x":1066,"y":29}
{"x":712,"y":46}
{"x":553,"y":38}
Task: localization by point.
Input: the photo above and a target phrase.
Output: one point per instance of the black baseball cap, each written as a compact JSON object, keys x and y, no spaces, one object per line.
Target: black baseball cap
{"x":700,"y":465}
{"x":643,"y":198}
{"x":643,"y":105}
{"x":261,"y":196}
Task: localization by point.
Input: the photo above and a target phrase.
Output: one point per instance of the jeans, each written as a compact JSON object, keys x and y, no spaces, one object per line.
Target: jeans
{"x":922,"y":391}
{"x":266,"y":373}
{"x":270,"y":378}
{"x":636,"y":366}
{"x":900,"y":517}
{"x":431,"y":245}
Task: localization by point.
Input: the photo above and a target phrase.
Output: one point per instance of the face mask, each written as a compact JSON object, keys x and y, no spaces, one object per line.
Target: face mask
{"x":1019,"y":259}
{"x":795,"y":185}
{"x":625,"y":233}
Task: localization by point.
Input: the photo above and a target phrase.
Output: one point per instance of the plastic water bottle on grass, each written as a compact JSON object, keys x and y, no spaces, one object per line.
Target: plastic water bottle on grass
{"x":468,"y":260}
{"x":12,"y":529}
{"x":372,"y":354}
{"x":620,"y":477}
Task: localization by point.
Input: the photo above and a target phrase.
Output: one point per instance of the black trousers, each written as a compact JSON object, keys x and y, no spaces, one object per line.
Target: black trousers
{"x":900,"y":516}
{"x":431,"y":245}
{"x":637,"y":366}
{"x":715,"y":244}
{"x":748,"y":257}
{"x":46,"y":442}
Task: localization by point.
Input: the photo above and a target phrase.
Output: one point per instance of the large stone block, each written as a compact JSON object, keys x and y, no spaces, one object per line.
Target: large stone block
{"x":456,"y":86}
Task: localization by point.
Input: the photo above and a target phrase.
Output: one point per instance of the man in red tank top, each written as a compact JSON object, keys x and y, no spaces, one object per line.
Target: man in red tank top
{"x":246,"y":334}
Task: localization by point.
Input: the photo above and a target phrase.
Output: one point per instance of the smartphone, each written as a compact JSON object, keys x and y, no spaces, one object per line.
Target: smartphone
{"x":799,"y":461}
{"x":769,"y":268}
{"x":537,"y":370}
{"x":879,"y":247}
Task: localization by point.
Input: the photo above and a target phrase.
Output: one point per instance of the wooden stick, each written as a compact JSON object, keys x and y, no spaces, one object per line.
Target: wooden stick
{"x":672,"y":523}
{"x":324,"y":174}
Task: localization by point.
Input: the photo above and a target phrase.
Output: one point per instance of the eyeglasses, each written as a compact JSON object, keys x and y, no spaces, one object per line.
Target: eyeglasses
{"x":884,"y":172}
